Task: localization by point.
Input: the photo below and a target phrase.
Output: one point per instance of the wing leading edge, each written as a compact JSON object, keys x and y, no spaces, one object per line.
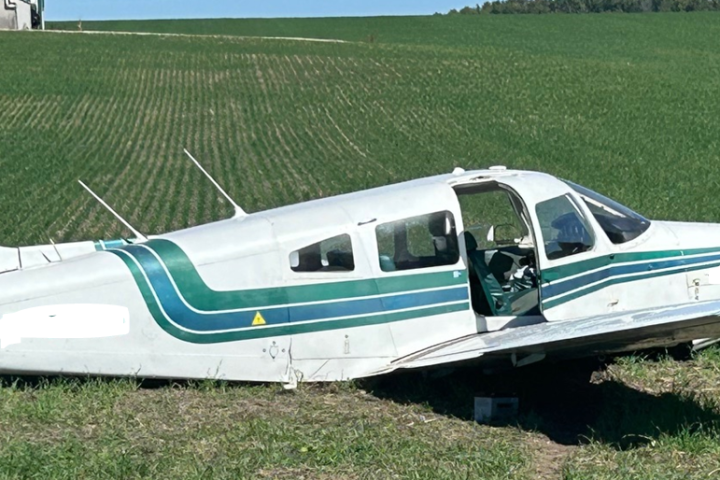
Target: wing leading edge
{"x":602,"y":334}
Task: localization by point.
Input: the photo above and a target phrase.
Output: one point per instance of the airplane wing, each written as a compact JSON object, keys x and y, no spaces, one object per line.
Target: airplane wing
{"x":584,"y":337}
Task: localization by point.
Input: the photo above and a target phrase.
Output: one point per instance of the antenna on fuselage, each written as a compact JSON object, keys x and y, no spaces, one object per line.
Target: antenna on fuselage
{"x":56,"y":249}
{"x":239,"y":212}
{"x":135,"y":232}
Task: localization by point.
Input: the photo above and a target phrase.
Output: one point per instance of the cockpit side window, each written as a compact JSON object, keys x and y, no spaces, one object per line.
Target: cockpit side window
{"x":619,"y":223}
{"x":330,"y":255}
{"x":564,"y":230}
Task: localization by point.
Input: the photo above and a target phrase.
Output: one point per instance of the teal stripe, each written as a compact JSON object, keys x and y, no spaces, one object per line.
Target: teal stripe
{"x":201,"y":297}
{"x":564,"y":286}
{"x":102,"y":245}
{"x":554,"y":302}
{"x":558,"y":273}
{"x":294,"y":328}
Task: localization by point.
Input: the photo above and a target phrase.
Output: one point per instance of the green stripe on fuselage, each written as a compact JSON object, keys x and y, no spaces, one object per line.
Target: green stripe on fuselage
{"x":273,"y":331}
{"x":563,"y":271}
{"x":554,"y":302}
{"x":201,"y":297}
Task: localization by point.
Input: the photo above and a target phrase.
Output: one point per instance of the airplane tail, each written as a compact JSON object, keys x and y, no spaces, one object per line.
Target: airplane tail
{"x":20,"y":258}
{"x":8,"y":259}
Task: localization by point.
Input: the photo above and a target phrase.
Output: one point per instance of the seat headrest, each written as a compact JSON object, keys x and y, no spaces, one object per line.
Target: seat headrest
{"x":309,"y":262}
{"x":338,"y":258}
{"x":441,"y":244}
{"x":436,"y":225}
{"x":470,"y":242}
{"x":386,"y":264}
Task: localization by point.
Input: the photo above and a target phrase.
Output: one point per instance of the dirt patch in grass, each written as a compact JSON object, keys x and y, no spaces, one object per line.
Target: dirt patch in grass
{"x":548,"y":457}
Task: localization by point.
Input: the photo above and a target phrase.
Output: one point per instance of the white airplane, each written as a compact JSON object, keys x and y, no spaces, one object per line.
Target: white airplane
{"x":494,"y":267}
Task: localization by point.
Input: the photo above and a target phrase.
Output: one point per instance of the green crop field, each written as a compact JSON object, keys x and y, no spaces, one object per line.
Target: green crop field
{"x":626,"y":104}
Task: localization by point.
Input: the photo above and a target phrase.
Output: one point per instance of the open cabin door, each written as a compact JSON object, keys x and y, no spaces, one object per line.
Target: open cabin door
{"x":501,"y":253}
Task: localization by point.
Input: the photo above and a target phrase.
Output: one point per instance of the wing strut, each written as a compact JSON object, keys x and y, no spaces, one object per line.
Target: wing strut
{"x":239,"y":212}
{"x":135,"y":232}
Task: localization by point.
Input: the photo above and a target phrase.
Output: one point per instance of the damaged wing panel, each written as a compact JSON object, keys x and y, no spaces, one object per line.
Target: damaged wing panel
{"x":583,"y":337}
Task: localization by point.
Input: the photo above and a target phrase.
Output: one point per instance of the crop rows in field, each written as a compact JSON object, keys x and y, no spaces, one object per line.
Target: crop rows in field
{"x":126,"y":139}
{"x":278,"y":122}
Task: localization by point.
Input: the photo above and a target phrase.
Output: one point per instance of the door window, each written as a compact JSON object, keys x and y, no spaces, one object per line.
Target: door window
{"x":565,"y":231}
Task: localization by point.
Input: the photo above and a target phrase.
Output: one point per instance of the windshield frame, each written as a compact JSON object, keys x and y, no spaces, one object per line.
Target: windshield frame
{"x":620,"y":223}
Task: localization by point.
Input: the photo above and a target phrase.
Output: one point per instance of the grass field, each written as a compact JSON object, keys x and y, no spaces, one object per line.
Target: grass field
{"x":625,"y":104}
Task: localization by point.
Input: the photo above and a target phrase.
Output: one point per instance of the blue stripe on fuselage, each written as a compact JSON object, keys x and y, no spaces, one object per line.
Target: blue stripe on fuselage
{"x":178,"y":311}
{"x":561,"y":287}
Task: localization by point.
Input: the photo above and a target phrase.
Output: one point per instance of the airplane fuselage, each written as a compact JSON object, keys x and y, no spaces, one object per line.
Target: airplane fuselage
{"x":344,"y":287}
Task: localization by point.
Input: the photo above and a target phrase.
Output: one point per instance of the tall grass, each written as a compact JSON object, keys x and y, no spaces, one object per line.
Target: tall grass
{"x":624,"y":105}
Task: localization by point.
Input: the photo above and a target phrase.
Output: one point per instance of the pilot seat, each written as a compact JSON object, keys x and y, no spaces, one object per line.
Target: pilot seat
{"x":494,"y":290}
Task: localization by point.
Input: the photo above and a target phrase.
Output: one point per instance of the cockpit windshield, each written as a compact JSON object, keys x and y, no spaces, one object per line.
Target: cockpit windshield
{"x":618,"y":222}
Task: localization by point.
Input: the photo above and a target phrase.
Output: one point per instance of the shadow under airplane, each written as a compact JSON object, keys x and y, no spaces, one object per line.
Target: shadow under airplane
{"x":570,"y":402}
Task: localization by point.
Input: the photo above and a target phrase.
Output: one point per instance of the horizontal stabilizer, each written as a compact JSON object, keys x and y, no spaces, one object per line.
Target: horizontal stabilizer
{"x":22,"y":258}
{"x":9,"y":260}
{"x":602,"y":334}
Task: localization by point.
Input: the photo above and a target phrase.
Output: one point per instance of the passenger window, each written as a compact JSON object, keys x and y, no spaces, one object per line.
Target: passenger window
{"x":331,"y":255}
{"x":418,"y":242}
{"x":565,"y":231}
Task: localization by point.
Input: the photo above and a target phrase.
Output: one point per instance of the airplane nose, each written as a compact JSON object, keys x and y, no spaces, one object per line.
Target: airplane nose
{"x":693,"y":235}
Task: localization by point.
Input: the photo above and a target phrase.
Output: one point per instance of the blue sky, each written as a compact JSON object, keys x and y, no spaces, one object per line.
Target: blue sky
{"x":139,"y":9}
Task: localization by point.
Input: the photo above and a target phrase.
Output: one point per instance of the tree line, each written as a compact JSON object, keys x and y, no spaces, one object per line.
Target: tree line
{"x":587,"y":6}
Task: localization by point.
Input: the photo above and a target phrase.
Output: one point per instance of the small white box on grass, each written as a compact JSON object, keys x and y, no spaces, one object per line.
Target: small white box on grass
{"x":488,"y":409}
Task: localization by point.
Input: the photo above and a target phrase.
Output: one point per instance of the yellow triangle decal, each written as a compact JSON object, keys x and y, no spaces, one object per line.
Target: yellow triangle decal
{"x":258,"y":320}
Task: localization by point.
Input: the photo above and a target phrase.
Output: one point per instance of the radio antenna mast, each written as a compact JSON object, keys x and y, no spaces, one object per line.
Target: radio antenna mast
{"x":239,"y":212}
{"x":139,"y":235}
